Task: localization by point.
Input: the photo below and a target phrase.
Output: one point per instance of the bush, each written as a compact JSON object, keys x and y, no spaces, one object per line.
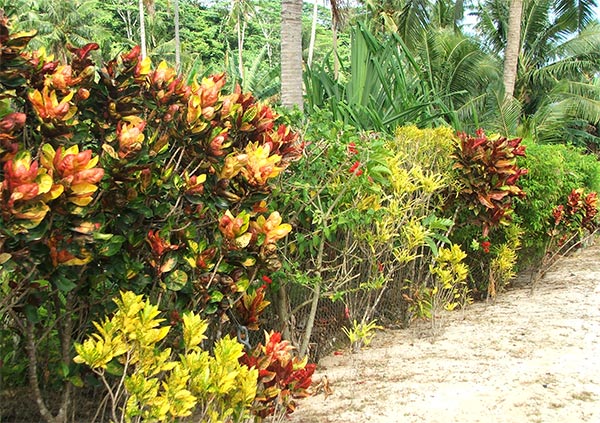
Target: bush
{"x":154,"y":385}
{"x":487,"y":174}
{"x":554,"y":172}
{"x":366,"y":208}
{"x":123,"y":177}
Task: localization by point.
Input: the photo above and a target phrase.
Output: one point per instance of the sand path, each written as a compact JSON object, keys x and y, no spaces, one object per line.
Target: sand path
{"x":528,"y":357}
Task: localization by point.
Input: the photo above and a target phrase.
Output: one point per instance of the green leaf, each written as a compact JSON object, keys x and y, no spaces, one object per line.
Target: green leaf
{"x":64,"y":369}
{"x":315,"y":241}
{"x":210,"y":308}
{"x":216,"y":296}
{"x":327,"y":233}
{"x":112,"y":247}
{"x":114,"y":368}
{"x":32,"y":313}
{"x":64,"y":284}
{"x":176,"y":280}
{"x":432,"y":245}
{"x":101,"y":236}
{"x":76,"y":381}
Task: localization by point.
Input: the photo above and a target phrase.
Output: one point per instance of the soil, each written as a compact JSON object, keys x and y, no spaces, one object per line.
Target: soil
{"x":533,"y":355}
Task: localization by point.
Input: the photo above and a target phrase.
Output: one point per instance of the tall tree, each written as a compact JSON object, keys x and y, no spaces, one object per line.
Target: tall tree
{"x":291,"y":53}
{"x":313,"y":33}
{"x":513,"y":43}
{"x":142,"y":28}
{"x":177,"y":40}
{"x":241,"y":12}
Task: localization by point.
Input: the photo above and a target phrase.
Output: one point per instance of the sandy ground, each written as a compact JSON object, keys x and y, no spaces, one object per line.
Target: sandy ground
{"x":532,"y":356}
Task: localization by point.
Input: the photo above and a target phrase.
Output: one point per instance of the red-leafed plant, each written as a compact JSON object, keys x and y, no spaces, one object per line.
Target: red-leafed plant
{"x":251,"y":307}
{"x":282,"y":377}
{"x":577,"y":215}
{"x":487,"y":171}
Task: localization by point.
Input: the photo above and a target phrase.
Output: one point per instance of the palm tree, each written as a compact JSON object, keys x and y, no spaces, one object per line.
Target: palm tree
{"x":291,"y":53}
{"x":559,"y":55}
{"x":177,"y":40}
{"x":513,"y":41}
{"x":142,"y":28}
{"x":241,"y":11}
{"x":58,"y":23}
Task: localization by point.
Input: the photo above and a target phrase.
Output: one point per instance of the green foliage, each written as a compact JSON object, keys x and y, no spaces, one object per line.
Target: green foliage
{"x":361,"y":333}
{"x":380,"y":92}
{"x":367,"y":213}
{"x":554,"y":172}
{"x":129,"y":349}
{"x":556,"y":86}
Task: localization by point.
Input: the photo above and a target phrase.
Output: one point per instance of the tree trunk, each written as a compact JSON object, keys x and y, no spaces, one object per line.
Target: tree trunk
{"x":177,"y":40}
{"x":313,"y":33}
{"x":240,"y":36}
{"x":283,"y":310}
{"x":142,"y":28}
{"x":513,"y":42}
{"x":334,"y":40}
{"x":291,"y":53}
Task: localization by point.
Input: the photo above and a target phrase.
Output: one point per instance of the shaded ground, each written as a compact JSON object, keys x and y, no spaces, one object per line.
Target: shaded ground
{"x":532,"y":356}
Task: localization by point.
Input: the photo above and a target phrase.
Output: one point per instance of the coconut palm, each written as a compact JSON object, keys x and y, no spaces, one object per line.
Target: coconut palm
{"x":513,"y":44}
{"x":559,"y":55}
{"x":58,"y":23}
{"x":291,"y":53}
{"x":177,"y":38}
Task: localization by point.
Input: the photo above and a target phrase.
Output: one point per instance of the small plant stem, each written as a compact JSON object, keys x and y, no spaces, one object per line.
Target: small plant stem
{"x":33,"y":378}
{"x":318,"y":266}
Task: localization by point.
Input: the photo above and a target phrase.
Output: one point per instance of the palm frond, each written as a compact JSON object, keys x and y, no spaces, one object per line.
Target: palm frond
{"x":576,"y":14}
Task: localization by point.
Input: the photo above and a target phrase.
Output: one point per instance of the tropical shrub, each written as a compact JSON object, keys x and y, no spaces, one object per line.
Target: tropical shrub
{"x":576,"y":216}
{"x":123,"y":177}
{"x":366,"y":226}
{"x":487,"y":172}
{"x":282,"y":376}
{"x":152,"y":385}
{"x":503,"y":259}
{"x":449,"y":289}
{"x":379,"y":90}
{"x":554,"y":172}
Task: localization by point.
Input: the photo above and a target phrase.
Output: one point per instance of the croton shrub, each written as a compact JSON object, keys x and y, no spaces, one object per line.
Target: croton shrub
{"x":575,"y":217}
{"x":487,"y":175}
{"x":122,"y":177}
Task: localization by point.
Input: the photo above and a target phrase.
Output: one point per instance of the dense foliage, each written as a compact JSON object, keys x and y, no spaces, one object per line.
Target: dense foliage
{"x":123,"y":177}
{"x":129,"y":188}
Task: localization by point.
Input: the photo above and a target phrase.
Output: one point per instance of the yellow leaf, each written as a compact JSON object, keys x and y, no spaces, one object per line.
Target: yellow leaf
{"x":145,"y":66}
{"x":47,"y":156}
{"x":191,"y":261}
{"x":243,"y":240}
{"x":84,"y":189}
{"x":108,"y":149}
{"x":44,"y":182}
{"x":80,"y":201}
